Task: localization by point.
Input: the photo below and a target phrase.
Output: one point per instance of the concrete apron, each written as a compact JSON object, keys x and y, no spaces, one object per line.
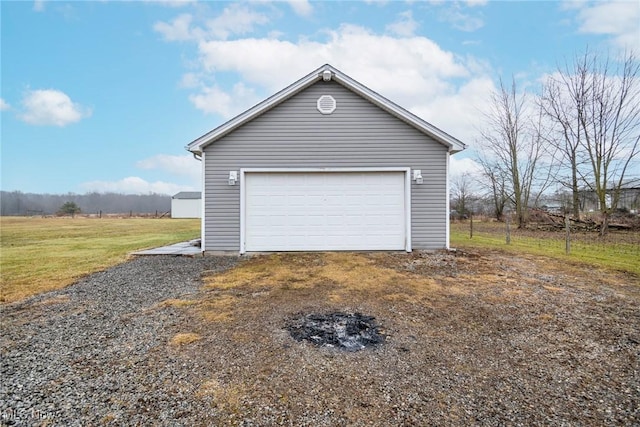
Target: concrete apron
{"x":190,"y":248}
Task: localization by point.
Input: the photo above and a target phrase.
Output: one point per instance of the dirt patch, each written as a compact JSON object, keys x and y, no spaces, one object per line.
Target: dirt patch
{"x":482,"y":338}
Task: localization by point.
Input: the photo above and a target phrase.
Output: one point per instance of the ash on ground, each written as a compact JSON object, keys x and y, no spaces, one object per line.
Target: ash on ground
{"x":350,"y":332}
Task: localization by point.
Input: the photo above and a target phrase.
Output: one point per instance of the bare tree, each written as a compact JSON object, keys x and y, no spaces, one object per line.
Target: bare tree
{"x":596,"y":103}
{"x":513,"y":149}
{"x":561,"y":98}
{"x":494,"y":185}
{"x":462,"y":191}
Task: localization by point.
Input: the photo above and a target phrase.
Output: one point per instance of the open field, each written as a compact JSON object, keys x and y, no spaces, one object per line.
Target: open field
{"x":619,"y":250}
{"x":43,"y":254}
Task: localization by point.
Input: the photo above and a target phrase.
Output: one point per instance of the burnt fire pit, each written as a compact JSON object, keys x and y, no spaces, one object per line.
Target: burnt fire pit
{"x":350,"y":332}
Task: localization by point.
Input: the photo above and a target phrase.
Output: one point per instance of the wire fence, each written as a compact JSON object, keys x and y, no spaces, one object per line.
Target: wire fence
{"x":616,"y":242}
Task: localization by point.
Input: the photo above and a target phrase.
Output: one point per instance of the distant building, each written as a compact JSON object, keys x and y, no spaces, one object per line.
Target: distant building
{"x":186,"y":204}
{"x":629,"y":199}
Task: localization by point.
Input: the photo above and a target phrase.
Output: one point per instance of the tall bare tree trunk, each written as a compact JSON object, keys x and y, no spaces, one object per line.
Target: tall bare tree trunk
{"x":512,"y":146}
{"x":595,"y":102}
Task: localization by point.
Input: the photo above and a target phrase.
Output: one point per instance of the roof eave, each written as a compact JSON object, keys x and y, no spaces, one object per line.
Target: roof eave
{"x":198,"y":145}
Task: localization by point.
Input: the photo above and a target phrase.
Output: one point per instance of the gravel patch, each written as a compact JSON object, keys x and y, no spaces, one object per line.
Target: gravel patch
{"x":486,"y":339}
{"x":94,"y":353}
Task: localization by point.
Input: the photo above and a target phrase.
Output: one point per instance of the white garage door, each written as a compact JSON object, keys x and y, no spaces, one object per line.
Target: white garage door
{"x":310,"y":211}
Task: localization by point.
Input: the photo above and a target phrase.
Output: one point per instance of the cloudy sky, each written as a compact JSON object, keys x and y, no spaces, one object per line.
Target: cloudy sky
{"x":104,"y":95}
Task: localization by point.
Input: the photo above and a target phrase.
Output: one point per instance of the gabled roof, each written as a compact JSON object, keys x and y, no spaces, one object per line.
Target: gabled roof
{"x":187,"y":195}
{"x":327,"y":72}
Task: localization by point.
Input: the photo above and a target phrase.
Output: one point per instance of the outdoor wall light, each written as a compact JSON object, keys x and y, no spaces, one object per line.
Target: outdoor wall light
{"x":233,"y":177}
{"x":417,"y":176}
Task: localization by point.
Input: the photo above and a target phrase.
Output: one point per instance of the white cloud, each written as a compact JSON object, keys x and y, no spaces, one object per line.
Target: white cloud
{"x":214,"y":100}
{"x":134,"y":185}
{"x":38,"y":5}
{"x":172,"y":3}
{"x":404,"y":66}
{"x":4,"y":106}
{"x":179,"y":29}
{"x":459,"y":165}
{"x":301,"y":7}
{"x":190,"y":80}
{"x":51,"y":107}
{"x":618,"y":19}
{"x":234,"y":19}
{"x":474,"y":3}
{"x":411,"y":70}
{"x":184,"y":165}
{"x":572,"y":4}
{"x":404,"y":26}
{"x":459,"y":112}
{"x":460,"y":20}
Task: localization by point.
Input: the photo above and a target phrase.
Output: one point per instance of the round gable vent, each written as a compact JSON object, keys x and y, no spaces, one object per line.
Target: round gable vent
{"x":326,"y":104}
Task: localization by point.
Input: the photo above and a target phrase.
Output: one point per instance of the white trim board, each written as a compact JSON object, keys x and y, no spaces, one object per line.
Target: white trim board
{"x":203,"y":229}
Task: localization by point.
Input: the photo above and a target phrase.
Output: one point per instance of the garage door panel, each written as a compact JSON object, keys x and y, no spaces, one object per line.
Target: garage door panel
{"x":324,"y":211}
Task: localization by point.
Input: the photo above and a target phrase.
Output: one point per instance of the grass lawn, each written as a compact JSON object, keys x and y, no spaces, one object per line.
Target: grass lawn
{"x":617,"y":251}
{"x":42,"y":254}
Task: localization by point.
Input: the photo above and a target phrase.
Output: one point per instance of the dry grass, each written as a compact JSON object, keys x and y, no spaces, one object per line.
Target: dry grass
{"x":338,"y":276}
{"x":225,"y":396}
{"x":218,"y":308}
{"x":185,"y":338}
{"x":343,"y":274}
{"x":178,"y":303}
{"x":44,"y":254}
{"x":458,"y":326}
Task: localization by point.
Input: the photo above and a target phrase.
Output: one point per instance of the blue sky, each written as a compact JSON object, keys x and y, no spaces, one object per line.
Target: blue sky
{"x":104,"y":95}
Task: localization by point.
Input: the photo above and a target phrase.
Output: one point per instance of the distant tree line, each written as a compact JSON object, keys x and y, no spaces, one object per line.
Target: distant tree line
{"x":19,"y":203}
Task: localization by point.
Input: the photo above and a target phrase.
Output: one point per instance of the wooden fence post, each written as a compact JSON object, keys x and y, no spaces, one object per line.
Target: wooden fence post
{"x":567,"y":225}
{"x":508,"y":229}
{"x":471,"y":225}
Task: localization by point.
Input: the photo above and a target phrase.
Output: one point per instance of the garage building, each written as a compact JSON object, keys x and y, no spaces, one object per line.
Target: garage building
{"x":325,"y":164}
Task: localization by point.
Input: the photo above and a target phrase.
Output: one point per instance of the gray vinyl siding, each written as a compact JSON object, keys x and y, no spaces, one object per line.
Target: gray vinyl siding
{"x":295,"y":134}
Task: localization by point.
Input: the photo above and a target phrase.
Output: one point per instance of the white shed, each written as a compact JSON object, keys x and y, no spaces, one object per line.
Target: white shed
{"x":186,"y":204}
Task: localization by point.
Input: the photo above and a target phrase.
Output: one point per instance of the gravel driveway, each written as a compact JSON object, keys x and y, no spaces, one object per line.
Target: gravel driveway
{"x":486,"y":339}
{"x":89,"y":354}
